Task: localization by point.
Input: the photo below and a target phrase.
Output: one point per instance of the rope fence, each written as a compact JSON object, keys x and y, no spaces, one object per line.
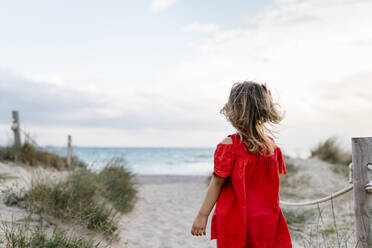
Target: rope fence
{"x":321,"y":200}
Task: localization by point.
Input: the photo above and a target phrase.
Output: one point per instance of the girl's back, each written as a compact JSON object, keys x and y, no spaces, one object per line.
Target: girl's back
{"x":245,"y":182}
{"x":249,"y":199}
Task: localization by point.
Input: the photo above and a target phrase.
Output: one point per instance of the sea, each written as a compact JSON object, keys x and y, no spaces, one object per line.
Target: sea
{"x":147,"y":161}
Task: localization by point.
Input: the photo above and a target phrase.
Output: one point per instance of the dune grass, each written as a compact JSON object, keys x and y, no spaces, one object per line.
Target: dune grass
{"x":5,"y":176}
{"x":331,"y":151}
{"x":91,"y":199}
{"x":75,"y":198}
{"x":116,"y":185}
{"x":30,"y":155}
{"x":23,"y":236}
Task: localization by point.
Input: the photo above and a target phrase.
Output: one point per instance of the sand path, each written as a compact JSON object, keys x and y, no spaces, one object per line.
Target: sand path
{"x":164,"y":213}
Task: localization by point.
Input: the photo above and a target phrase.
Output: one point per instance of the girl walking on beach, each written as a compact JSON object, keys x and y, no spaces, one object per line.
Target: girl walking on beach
{"x":245,"y":181}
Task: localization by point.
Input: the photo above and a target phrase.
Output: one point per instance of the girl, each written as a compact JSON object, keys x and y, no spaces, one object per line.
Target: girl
{"x":245,"y":181}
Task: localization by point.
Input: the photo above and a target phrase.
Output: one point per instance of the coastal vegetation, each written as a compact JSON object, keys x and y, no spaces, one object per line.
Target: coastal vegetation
{"x":116,"y":185}
{"x":31,"y":155}
{"x":331,"y":151}
{"x":5,"y":176}
{"x":23,"y":236}
{"x":93,"y":200}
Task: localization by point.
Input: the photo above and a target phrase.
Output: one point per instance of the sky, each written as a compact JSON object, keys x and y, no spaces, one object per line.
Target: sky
{"x":156,"y":72}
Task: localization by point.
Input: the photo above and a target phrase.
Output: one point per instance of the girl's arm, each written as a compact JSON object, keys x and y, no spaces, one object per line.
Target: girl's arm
{"x":200,"y":222}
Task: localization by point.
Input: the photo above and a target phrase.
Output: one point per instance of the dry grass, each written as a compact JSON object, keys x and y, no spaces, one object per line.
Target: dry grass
{"x":297,"y":216}
{"x":5,"y":176}
{"x":30,"y":155}
{"x":329,"y":229}
{"x":331,"y":151}
{"x":23,"y":236}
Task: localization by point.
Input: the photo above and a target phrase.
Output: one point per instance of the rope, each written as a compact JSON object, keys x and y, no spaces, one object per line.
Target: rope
{"x":324,"y":199}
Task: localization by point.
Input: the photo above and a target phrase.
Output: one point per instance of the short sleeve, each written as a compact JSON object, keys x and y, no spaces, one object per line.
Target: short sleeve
{"x":223,"y":160}
{"x":282,"y":168}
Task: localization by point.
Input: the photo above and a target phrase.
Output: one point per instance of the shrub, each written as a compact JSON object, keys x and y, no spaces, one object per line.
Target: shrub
{"x":330,"y":151}
{"x":117,"y":185}
{"x":75,"y":199}
{"x":77,"y":163}
{"x":88,"y":198}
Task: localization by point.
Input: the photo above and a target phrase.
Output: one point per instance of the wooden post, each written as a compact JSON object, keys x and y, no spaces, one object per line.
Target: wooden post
{"x":16,"y":129}
{"x":69,"y":150}
{"x":362,"y":178}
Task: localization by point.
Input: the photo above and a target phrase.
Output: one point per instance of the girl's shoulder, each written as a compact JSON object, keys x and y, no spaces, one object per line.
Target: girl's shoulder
{"x":227,"y":141}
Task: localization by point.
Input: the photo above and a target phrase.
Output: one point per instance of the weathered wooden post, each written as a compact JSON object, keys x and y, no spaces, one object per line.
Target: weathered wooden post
{"x":362,"y":178}
{"x":16,"y":129}
{"x":69,"y":150}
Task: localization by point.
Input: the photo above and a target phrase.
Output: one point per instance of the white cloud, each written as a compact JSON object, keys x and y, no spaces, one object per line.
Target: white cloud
{"x":293,"y":47}
{"x":314,"y":55}
{"x":159,"y":5}
{"x":202,"y":28}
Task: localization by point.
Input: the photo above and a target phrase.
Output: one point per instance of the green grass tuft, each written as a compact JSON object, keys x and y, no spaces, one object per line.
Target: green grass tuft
{"x":117,"y":185}
{"x":23,"y":236}
{"x":6,"y":176}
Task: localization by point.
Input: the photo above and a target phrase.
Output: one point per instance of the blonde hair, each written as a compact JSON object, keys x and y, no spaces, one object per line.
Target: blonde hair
{"x":250,"y":108}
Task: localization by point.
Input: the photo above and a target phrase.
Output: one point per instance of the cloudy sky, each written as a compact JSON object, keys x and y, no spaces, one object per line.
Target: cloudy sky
{"x":156,"y":72}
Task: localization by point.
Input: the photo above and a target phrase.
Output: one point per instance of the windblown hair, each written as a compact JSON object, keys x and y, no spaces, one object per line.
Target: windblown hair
{"x":250,"y":108}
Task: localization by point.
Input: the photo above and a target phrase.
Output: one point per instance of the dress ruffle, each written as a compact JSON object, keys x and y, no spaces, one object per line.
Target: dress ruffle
{"x":282,"y":168}
{"x":223,"y":160}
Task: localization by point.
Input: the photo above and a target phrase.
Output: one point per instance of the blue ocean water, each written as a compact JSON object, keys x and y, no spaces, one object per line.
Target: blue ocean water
{"x":148,"y":161}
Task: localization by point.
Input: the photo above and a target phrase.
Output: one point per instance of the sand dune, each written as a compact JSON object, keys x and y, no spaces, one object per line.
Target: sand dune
{"x":21,"y":179}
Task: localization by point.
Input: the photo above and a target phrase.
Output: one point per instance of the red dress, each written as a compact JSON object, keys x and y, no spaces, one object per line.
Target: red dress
{"x":247,"y":212}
